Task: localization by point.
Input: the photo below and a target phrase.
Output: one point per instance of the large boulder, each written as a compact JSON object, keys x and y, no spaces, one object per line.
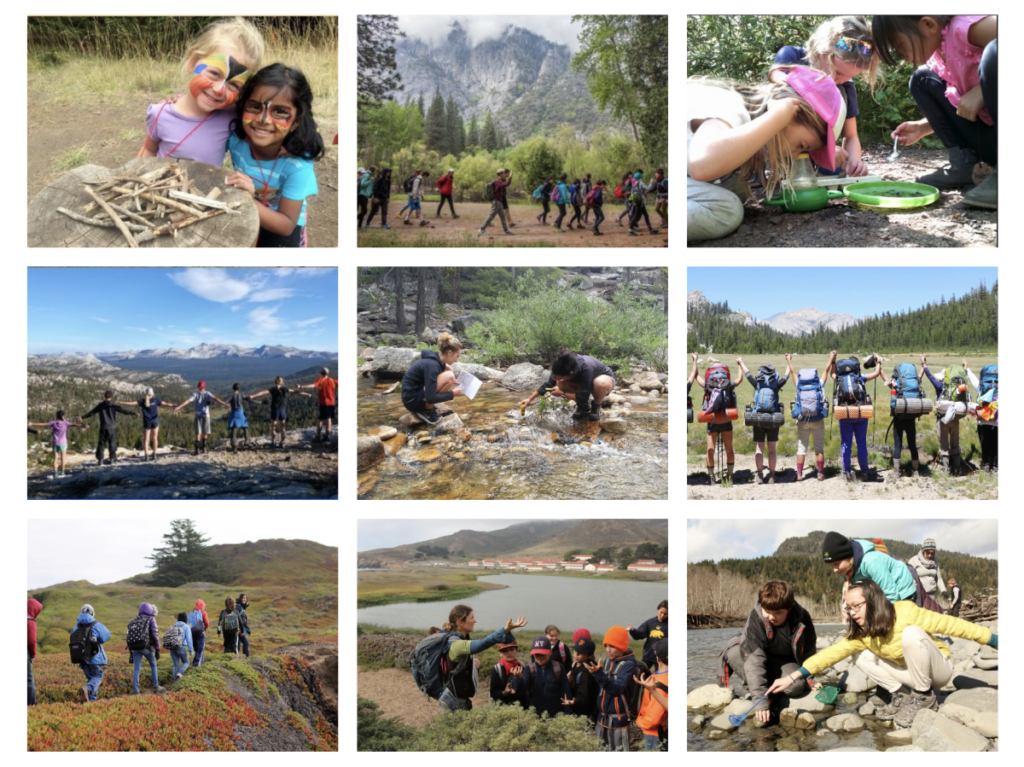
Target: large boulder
{"x":429,"y":335}
{"x":393,"y":360}
{"x":898,"y":737}
{"x":370,"y":452}
{"x":982,"y":699}
{"x":482,"y":372}
{"x":986,"y":724}
{"x":450,"y":423}
{"x":855,"y":680}
{"x":721,"y":722}
{"x":459,"y":324}
{"x":845,"y":723}
{"x":367,"y":353}
{"x":523,"y":377}
{"x":649,"y":380}
{"x":934,"y":732}
{"x":614,"y":425}
{"x":709,"y":696}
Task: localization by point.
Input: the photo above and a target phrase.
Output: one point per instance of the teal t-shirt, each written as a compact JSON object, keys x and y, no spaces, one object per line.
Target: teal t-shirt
{"x":291,"y":177}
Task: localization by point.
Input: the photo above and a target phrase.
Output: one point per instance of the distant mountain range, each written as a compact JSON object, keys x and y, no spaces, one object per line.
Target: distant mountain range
{"x":217,"y":351}
{"x":798,"y":322}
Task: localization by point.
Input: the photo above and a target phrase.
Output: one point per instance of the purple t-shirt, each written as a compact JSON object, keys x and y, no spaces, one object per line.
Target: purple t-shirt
{"x":208,"y":144}
{"x":60,"y":433}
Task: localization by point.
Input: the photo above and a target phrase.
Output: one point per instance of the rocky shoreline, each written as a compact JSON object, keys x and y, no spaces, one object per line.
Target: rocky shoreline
{"x":967,"y":718}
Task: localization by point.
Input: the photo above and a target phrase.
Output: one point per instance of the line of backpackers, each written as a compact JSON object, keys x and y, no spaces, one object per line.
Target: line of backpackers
{"x":612,"y":693}
{"x":851,"y":405}
{"x":186,"y":637}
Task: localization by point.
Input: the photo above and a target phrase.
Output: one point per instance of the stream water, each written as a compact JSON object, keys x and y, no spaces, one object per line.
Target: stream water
{"x":508,"y":456}
{"x":702,"y":649}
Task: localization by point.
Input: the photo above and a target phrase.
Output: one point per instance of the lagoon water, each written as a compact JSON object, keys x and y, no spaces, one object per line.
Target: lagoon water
{"x":569,"y":603}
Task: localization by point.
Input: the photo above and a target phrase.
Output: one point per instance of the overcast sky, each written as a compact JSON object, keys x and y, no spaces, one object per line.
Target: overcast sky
{"x":434,"y":29}
{"x":718,"y":539}
{"x":387,"y":533}
{"x":108,"y":550}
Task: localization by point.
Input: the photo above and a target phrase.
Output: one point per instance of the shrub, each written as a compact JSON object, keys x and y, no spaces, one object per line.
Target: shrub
{"x":506,"y":728}
{"x":374,"y":733}
{"x":533,"y":162}
{"x":472,"y":174}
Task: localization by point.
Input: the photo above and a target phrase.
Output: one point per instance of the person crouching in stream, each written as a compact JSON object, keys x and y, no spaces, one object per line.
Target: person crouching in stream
{"x":430,"y":379}
{"x":904,"y":656}
{"x":577,"y":377}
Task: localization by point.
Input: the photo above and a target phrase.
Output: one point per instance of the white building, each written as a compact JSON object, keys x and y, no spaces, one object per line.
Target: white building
{"x":575,"y":566}
{"x":648,"y":566}
{"x":581,"y":557}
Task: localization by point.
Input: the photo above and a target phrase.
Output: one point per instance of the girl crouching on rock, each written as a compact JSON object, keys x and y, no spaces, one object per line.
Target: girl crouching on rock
{"x":577,"y":377}
{"x":430,"y":379}
{"x":904,"y":657}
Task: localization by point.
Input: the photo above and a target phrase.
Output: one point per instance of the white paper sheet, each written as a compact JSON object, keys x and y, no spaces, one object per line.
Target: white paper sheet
{"x":469,"y":384}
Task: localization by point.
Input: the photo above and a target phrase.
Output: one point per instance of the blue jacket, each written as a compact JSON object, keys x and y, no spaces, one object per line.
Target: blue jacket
{"x":187,"y":631}
{"x":612,"y":712}
{"x":574,"y":194}
{"x":546,"y":691}
{"x":100,"y":632}
{"x":891,"y":574}
{"x":366,"y":185}
{"x":563,"y":194}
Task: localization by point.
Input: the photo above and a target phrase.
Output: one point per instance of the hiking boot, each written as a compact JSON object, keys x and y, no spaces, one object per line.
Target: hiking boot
{"x":509,"y":231}
{"x":986,"y":195}
{"x":570,"y":227}
{"x":428,"y":417}
{"x":406,"y":222}
{"x":510,"y":223}
{"x":653,"y":231}
{"x":821,"y":476}
{"x":849,"y":476}
{"x":771,"y":479}
{"x":385,"y":226}
{"x":888,"y":711}
{"x":158,"y":689}
{"x":423,"y":222}
{"x":956,"y":174}
{"x":632,"y":233}
{"x":196,"y":450}
{"x":83,"y":694}
{"x":454,"y":216}
{"x":595,"y":414}
{"x":758,"y":478}
{"x":483,"y":231}
{"x":582,"y":410}
{"x":916,"y":701}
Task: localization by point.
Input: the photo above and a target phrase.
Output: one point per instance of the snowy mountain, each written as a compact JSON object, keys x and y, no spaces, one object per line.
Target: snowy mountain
{"x":71,"y":368}
{"x":802,"y":322}
{"x":217,"y":351}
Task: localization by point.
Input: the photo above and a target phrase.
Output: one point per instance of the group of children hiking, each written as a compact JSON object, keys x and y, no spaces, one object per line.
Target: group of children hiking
{"x":183,"y":639}
{"x":632,"y":189}
{"x":557,"y":679}
{"x":852,"y":406}
{"x":738,"y":133}
{"x":378,"y":188}
{"x":201,"y":400}
{"x":893,"y":636}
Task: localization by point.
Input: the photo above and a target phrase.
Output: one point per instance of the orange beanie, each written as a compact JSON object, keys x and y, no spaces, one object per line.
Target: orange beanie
{"x":616,"y":637}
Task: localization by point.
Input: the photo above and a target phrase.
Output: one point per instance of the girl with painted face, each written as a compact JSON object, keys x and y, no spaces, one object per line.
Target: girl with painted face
{"x":196,"y":125}
{"x":274,"y":143}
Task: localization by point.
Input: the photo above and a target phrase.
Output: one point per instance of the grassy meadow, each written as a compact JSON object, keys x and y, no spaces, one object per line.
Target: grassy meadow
{"x":385,"y":587}
{"x":879,"y":457}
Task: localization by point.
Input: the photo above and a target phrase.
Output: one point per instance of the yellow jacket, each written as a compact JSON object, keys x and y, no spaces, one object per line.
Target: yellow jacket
{"x":891,"y":647}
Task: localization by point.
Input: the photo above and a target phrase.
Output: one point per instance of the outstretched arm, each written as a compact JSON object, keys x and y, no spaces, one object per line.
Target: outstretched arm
{"x":258,"y":394}
{"x":128,"y":404}
{"x":179,"y":407}
{"x":220,"y":402}
{"x":39,"y":425}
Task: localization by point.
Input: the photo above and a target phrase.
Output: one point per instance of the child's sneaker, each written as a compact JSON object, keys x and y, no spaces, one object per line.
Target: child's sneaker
{"x":428,"y":417}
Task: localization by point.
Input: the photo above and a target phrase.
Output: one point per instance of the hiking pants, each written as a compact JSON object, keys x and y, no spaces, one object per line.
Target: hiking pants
{"x":901,"y":426}
{"x":955,"y":610}
{"x":547,"y":208}
{"x":926,"y":667}
{"x":989,"y":438}
{"x":775,"y":667}
{"x":362,"y":208}
{"x":244,"y":642}
{"x":661,"y":208}
{"x":451,"y":205}
{"x":31,"y":684}
{"x":929,"y":91}
{"x":382,"y":206}
{"x":598,"y":217}
{"x":231,"y":642}
{"x":578,"y":217}
{"x":627,"y":213}
{"x":179,"y":659}
{"x":137,"y":656}
{"x":848,"y":429}
{"x":93,"y":678}
{"x":806,"y":432}
{"x":713,"y":211}
{"x":198,"y":643}
{"x":639,"y":210}
{"x":561,"y":214}
{"x":108,"y":440}
{"x":496,"y":210}
{"x":613,"y":740}
{"x":949,"y":439}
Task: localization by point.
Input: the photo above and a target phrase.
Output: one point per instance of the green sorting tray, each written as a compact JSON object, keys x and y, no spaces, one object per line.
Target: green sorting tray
{"x":886,"y":194}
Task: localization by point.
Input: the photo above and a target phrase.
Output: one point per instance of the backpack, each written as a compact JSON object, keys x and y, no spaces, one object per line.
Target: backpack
{"x":407,"y":186}
{"x":849,"y":385}
{"x":83,"y":645}
{"x":425,"y":661}
{"x":174,"y":638}
{"x":636,"y":196}
{"x":196,"y":623}
{"x":489,"y":192}
{"x":811,"y":404}
{"x":538,"y":193}
{"x":556,"y":195}
{"x":618,"y":191}
{"x":231,"y":621}
{"x":716,"y":397}
{"x":908,"y":384}
{"x":138,"y":633}
{"x":556,"y":665}
{"x":634,"y":692}
{"x":766,"y":395}
{"x":989,"y":382}
{"x":953,"y":378}
{"x":589,"y":199}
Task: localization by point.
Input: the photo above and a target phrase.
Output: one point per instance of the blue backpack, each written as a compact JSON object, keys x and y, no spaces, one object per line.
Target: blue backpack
{"x":766,"y":395}
{"x":989,"y":381}
{"x":811,"y":404}
{"x":426,"y":662}
{"x":538,"y":193}
{"x":196,"y":623}
{"x":908,"y":384}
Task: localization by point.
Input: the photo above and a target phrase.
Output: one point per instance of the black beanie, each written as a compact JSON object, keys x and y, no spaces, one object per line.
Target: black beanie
{"x":661,"y":649}
{"x":836,"y":547}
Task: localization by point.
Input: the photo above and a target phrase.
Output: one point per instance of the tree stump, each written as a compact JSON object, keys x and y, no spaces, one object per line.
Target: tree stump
{"x":49,"y":229}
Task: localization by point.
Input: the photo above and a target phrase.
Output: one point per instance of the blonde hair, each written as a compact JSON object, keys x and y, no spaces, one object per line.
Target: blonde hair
{"x":446,"y":342}
{"x":278,"y":381}
{"x":821,"y":53}
{"x":777,"y":153}
{"x":237,"y":33}
{"x":149,"y":396}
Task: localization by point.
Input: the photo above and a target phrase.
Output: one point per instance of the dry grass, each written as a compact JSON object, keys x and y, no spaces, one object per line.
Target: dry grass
{"x":71,"y":159}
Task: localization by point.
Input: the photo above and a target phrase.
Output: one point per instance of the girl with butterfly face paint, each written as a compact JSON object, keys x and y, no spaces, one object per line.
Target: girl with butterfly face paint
{"x":196,"y":125}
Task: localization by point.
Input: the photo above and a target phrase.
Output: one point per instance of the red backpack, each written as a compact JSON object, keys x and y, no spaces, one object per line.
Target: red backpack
{"x":618,"y":191}
{"x":589,"y":199}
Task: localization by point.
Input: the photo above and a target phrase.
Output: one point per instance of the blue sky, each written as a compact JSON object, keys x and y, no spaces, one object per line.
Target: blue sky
{"x":858,"y":291}
{"x":718,"y":539}
{"x":113,"y":309}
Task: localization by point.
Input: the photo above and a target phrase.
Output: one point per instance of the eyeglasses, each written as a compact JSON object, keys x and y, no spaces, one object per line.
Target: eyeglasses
{"x":852,"y":45}
{"x":850,"y":608}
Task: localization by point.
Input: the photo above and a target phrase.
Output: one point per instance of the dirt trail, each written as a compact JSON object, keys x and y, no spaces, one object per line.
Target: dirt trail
{"x":934,"y":484}
{"x":394,"y":691}
{"x":465,"y":231}
{"x":945,"y":223}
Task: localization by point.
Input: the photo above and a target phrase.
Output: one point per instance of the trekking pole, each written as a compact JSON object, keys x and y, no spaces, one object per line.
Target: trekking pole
{"x":874,"y":404}
{"x":832,"y":418}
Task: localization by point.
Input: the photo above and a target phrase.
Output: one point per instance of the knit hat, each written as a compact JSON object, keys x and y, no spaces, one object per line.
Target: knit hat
{"x":584,"y":645}
{"x":822,"y":94}
{"x":616,"y":637}
{"x":951,"y":582}
{"x":361,"y":170}
{"x":202,"y":386}
{"x":88,"y":609}
{"x":835,"y":547}
{"x":580,"y":633}
{"x":661,"y":649}
{"x":929,"y":543}
{"x":541,"y":646}
{"x":880,"y":545}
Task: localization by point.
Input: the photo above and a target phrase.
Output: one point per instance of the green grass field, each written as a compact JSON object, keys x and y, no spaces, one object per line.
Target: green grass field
{"x":927,"y":429}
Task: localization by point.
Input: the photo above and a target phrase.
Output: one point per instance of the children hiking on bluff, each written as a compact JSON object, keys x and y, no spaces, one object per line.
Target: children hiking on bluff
{"x":557,"y":680}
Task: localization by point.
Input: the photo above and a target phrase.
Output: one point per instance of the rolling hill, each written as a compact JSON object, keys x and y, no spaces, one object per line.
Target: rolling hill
{"x":595,"y":533}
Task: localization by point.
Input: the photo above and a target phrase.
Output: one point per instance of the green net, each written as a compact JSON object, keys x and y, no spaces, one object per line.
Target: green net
{"x":827,"y":695}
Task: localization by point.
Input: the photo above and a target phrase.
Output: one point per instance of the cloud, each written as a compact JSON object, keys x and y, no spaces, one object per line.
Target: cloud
{"x":307,"y":323}
{"x":137,"y":330}
{"x":235,"y":308}
{"x":264,"y":320}
{"x":435,"y":29}
{"x":211,"y":284}
{"x":104,"y":320}
{"x":274,"y":294}
{"x":206,"y":331}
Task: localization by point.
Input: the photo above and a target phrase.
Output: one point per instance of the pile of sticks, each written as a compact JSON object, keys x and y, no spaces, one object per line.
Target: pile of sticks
{"x":136,"y":205}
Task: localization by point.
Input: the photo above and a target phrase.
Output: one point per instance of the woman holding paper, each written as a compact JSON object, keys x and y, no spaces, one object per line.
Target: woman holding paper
{"x":430,"y":379}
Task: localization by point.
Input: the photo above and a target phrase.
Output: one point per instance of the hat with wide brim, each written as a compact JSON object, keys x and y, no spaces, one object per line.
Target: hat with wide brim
{"x":820,"y":91}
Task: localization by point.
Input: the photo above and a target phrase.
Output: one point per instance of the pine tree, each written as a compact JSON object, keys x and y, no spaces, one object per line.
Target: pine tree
{"x":419,"y":105}
{"x":473,"y":133}
{"x":452,"y":123}
{"x":489,"y":136}
{"x":435,"y":126}
{"x":185,"y":558}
